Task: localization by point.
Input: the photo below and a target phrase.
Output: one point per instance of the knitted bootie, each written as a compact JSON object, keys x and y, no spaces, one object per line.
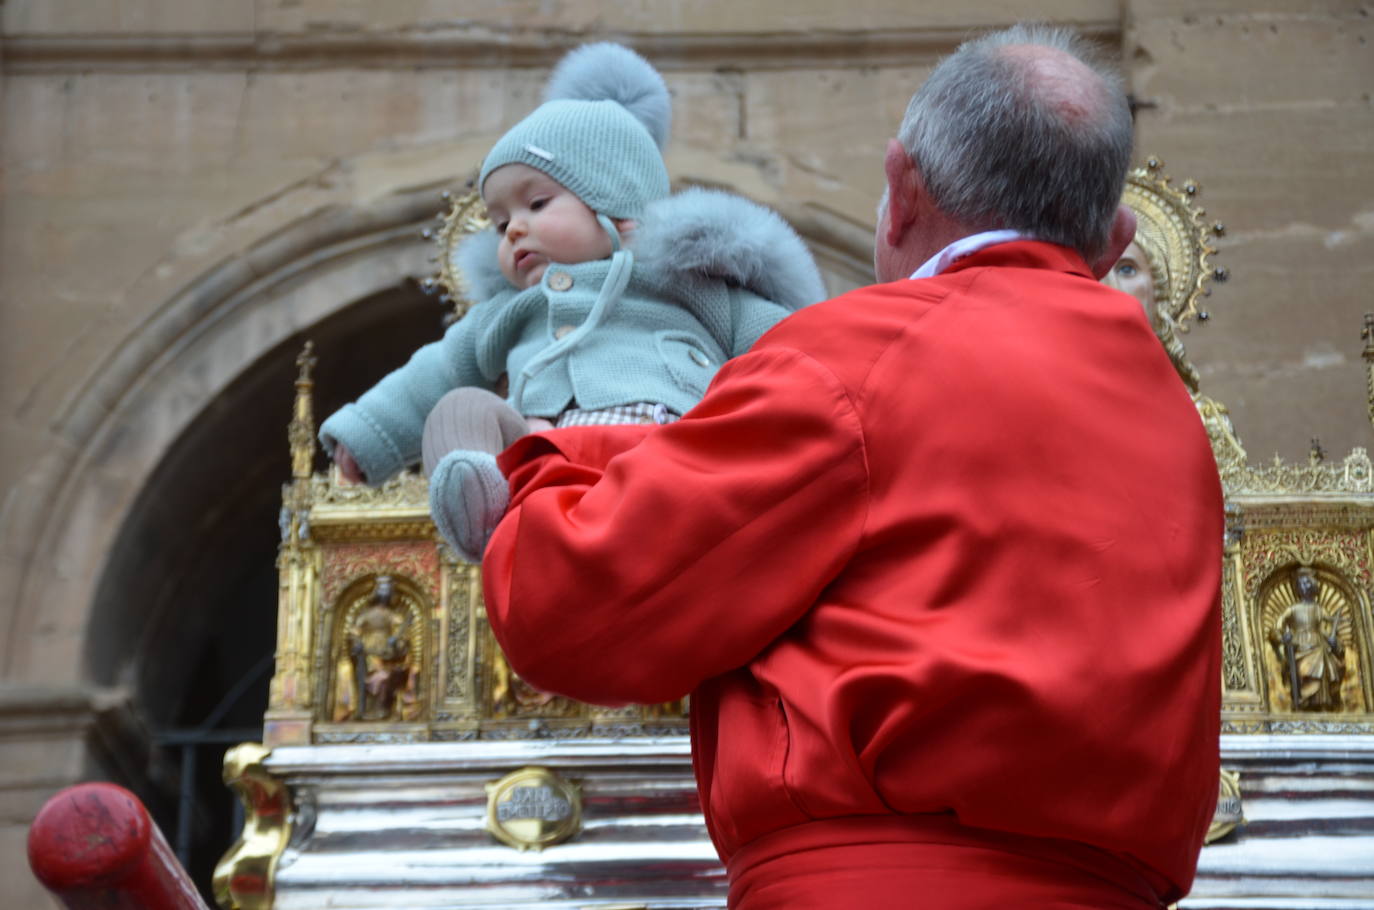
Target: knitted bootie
{"x":468,"y":496}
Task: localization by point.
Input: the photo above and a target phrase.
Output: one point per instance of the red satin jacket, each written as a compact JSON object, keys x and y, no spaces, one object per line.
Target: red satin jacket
{"x":939,"y":563}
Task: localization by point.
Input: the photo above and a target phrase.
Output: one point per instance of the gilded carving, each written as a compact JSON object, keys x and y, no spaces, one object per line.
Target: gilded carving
{"x":1344,"y":550}
{"x":466,"y":214}
{"x":1173,"y":230}
{"x":407,"y":490}
{"x":1307,"y":616}
{"x":377,"y":658}
{"x":463,"y":595}
{"x":379,"y":649}
{"x":1236,"y":674}
{"x":415,"y":560}
{"x":1229,"y":812}
{"x":348,"y":571}
{"x":377,"y":735}
{"x":1221,"y":433}
{"x":290,"y":694}
{"x":377,"y":530}
{"x":460,"y":734}
{"x":244,"y":878}
{"x":1354,"y":474}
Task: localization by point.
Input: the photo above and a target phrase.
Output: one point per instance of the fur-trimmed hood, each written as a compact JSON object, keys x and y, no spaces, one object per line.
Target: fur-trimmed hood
{"x":698,"y":233}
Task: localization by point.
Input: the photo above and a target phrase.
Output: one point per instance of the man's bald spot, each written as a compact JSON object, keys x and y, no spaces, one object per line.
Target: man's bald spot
{"x":1058,"y":81}
{"x":1026,"y":128}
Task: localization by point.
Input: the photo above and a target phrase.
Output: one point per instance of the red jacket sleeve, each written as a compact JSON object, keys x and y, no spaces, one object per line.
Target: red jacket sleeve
{"x":633,"y":566}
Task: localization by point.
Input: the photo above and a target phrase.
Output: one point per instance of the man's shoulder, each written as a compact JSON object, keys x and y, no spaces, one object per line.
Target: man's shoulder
{"x":979,"y":310}
{"x":862,"y":318}
{"x":867,"y":304}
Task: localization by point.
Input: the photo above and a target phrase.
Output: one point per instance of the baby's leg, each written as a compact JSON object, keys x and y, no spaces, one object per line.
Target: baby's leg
{"x":472,"y":419}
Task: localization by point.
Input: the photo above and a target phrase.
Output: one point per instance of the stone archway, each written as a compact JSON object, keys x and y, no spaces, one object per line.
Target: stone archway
{"x":148,"y":578}
{"x":168,"y":375}
{"x":151,"y":587}
{"x":177,"y":367}
{"x":184,"y":617}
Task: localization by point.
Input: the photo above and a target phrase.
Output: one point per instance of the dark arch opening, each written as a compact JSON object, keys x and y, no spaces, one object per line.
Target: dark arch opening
{"x":185,"y":611}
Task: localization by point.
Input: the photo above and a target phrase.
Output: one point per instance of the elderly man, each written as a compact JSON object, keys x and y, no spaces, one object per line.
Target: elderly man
{"x":938,"y":560}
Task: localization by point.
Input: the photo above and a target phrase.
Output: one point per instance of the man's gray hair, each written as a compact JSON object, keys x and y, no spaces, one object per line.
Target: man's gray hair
{"x":1008,"y":137}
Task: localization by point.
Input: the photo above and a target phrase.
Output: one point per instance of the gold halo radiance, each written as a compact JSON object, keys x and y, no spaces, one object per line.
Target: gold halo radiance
{"x":465,"y":214}
{"x":1172,"y":229}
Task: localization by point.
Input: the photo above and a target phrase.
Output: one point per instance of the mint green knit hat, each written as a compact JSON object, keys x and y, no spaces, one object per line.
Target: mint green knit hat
{"x":599,"y":132}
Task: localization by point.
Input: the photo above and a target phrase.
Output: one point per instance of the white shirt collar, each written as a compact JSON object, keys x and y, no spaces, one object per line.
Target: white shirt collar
{"x":965,"y":246}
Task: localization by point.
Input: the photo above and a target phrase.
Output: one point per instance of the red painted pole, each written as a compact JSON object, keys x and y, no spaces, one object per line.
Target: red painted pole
{"x":96,"y":848}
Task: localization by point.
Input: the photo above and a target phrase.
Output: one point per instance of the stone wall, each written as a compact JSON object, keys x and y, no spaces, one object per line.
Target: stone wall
{"x":1268,"y":105}
{"x":189,"y":185}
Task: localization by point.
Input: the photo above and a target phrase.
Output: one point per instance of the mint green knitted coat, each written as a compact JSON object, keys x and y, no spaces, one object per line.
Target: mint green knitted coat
{"x":711,"y":273}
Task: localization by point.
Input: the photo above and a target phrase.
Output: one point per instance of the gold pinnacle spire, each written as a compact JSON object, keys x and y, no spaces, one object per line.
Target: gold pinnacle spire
{"x":301,"y":433}
{"x":1368,"y":335}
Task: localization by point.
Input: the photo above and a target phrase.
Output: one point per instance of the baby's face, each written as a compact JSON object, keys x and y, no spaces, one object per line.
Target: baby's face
{"x":540,"y":222}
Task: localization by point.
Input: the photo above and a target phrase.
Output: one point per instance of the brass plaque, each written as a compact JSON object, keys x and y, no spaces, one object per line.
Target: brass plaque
{"x":533,"y":808}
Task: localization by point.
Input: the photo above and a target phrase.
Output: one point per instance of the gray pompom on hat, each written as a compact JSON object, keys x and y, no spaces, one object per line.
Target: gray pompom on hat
{"x":599,"y":132}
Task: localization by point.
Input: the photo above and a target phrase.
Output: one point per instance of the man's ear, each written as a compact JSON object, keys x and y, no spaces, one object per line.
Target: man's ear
{"x":902,"y":186}
{"x":1118,"y":238}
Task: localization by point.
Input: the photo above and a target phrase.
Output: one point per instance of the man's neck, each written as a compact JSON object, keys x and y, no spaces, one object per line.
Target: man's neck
{"x":965,"y":246}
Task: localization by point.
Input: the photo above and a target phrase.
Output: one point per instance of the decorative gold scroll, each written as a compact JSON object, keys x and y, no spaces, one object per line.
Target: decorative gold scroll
{"x":244,"y":878}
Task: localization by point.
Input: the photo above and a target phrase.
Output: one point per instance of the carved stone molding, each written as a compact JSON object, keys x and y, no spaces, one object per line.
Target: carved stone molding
{"x":459,"y":47}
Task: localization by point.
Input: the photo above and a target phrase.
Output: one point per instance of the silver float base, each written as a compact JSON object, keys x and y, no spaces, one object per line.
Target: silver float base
{"x":1308,"y":838}
{"x":404,"y":825}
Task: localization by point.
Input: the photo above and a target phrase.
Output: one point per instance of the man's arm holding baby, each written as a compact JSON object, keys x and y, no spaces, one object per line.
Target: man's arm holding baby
{"x":660,"y":552}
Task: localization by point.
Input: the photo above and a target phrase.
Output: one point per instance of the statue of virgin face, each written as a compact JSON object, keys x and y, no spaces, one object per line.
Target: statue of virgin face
{"x":1132,"y":274}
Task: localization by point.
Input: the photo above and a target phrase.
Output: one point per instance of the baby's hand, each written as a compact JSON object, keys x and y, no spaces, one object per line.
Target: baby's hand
{"x":348,"y":466}
{"x":539,"y":424}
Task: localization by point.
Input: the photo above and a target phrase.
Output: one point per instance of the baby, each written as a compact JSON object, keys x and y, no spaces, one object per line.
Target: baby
{"x":602,"y":299}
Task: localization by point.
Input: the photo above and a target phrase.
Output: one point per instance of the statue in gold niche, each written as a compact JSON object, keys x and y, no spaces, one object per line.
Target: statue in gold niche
{"x":376,"y":672}
{"x":1305,"y":639}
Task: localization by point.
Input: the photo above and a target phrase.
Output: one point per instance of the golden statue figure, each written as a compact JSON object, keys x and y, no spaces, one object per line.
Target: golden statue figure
{"x":376,"y":673}
{"x":1305,"y":639}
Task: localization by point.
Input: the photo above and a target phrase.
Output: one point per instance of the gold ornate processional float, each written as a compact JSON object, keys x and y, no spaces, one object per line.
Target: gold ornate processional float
{"x":405,"y":765}
{"x":1297,"y":624}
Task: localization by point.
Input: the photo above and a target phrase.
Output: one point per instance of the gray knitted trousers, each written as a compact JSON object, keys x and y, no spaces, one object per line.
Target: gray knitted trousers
{"x":472,"y":419}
